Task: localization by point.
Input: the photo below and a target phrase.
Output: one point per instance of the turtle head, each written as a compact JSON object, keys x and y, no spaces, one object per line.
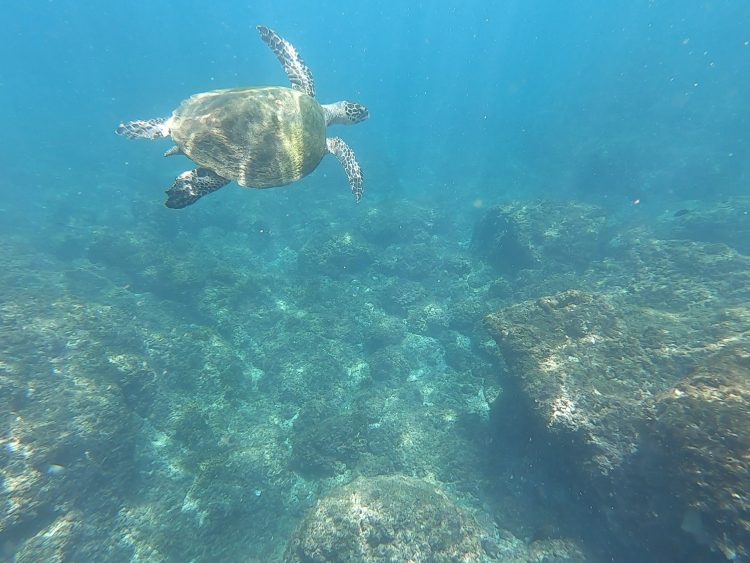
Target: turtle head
{"x":345,"y":113}
{"x":355,"y":112}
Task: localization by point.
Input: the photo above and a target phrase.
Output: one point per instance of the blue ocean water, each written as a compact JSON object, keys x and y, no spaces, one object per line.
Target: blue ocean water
{"x":465,"y":98}
{"x":252,"y":353}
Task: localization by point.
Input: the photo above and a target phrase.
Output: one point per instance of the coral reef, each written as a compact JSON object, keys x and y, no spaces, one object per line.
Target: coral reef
{"x":69,"y":436}
{"x":342,"y":253}
{"x":189,"y":387}
{"x":325,"y":441}
{"x":232,"y":384}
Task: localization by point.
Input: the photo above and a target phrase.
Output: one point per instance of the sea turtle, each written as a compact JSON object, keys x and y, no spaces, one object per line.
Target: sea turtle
{"x":260,"y":137}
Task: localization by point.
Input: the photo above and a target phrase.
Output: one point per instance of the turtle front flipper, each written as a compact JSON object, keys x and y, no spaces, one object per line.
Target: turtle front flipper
{"x":295,"y":68}
{"x":192,"y":185}
{"x":150,"y":129}
{"x":338,"y":148}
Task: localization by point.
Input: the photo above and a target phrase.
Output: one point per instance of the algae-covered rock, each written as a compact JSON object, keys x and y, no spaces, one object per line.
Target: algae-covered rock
{"x":550,"y":235}
{"x":389,"y":364}
{"x":151,"y":264}
{"x":325,"y":441}
{"x":401,"y":222}
{"x":727,"y":222}
{"x":602,"y":384}
{"x":68,"y":436}
{"x":401,"y":296}
{"x":558,"y":550}
{"x":699,"y":438}
{"x":380,"y":329}
{"x":67,"y":441}
{"x":336,"y":254}
{"x":589,"y":362}
{"x":416,"y":261}
{"x":582,"y":371}
{"x":430,"y":318}
{"x":386,"y":519}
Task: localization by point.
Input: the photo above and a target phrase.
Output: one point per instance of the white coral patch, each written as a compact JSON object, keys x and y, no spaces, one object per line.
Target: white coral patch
{"x":563,"y":411}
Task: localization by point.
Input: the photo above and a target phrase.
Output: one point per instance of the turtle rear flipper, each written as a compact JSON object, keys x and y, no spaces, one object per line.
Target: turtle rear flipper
{"x":192,"y":185}
{"x":338,"y":148}
{"x":145,"y":129}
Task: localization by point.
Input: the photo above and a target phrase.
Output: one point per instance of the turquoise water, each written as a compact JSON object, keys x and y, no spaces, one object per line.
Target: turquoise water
{"x":186,"y":385}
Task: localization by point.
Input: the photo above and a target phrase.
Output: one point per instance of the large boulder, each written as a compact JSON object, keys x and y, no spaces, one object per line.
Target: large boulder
{"x":386,"y":519}
{"x":582,"y":371}
{"x":698,"y":442}
{"x":546,"y":234}
{"x":398,"y":518}
{"x":640,"y":395}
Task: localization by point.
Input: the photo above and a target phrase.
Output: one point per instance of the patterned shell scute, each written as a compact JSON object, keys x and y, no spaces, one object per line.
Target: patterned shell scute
{"x":258,"y":137}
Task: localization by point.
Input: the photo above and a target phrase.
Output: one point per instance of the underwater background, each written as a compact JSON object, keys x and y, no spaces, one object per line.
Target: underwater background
{"x":530,"y":341}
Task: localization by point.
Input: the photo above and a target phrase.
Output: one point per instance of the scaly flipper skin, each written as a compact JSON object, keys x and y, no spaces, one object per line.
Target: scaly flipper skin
{"x":296,"y":69}
{"x":190,"y":186}
{"x":348,"y":160}
{"x":150,"y":129}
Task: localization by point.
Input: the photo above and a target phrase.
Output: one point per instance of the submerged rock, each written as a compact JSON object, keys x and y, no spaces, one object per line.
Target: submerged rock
{"x":325,"y":441}
{"x":698,"y":441}
{"x":68,"y":439}
{"x":549,"y":235}
{"x":640,"y":396}
{"x":398,"y":518}
{"x":401,"y":222}
{"x":386,"y":519}
{"x":582,"y":370}
{"x":727,"y":222}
